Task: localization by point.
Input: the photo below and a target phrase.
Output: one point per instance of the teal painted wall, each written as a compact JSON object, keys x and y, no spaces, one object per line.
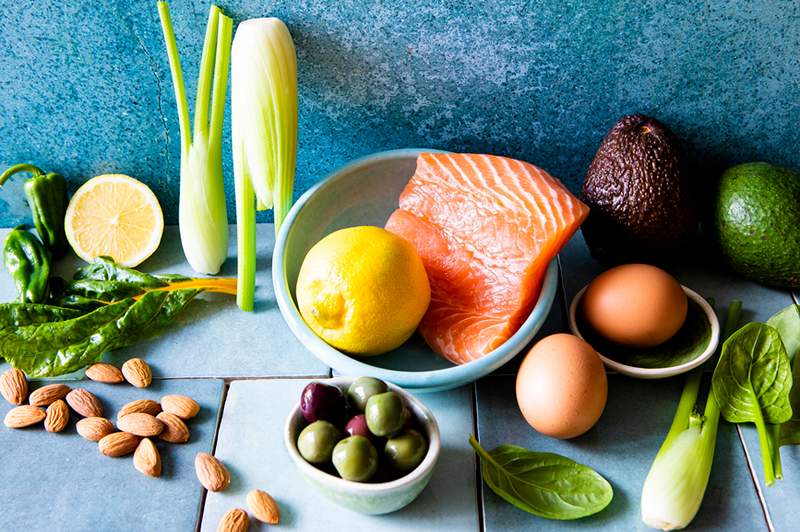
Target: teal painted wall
{"x":85,"y":87}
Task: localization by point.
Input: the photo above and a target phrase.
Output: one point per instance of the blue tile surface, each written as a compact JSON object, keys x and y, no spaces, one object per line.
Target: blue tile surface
{"x":213,"y":338}
{"x":62,"y":482}
{"x":86,"y":87}
{"x":251,"y":443}
{"x":620,"y":447}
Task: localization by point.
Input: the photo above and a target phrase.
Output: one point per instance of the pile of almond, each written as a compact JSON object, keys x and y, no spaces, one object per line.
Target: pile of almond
{"x":138,"y":422}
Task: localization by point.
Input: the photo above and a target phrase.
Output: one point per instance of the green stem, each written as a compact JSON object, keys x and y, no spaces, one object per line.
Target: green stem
{"x":766,"y":453}
{"x":685,"y":406}
{"x":222,"y":61}
{"x":22,"y":167}
{"x":205,"y":77}
{"x":481,"y":451}
{"x":731,"y":320}
{"x":246,"y":239}
{"x":775,"y":449}
{"x":177,"y":77}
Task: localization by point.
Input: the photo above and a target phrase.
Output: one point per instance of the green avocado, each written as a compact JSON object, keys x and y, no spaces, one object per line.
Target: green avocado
{"x":642,"y":204}
{"x":757,"y":222}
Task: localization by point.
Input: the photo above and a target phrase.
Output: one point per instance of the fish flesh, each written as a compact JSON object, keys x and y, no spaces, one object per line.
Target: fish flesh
{"x":486,"y":228}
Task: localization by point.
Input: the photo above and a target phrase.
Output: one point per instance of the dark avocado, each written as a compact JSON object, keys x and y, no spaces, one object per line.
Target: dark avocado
{"x":638,"y":189}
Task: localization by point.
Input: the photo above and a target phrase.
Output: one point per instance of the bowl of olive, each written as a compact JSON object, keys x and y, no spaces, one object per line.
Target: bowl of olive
{"x":365,"y":444}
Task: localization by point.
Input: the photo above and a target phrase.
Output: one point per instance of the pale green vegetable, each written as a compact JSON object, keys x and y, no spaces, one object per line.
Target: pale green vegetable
{"x":677,"y":480}
{"x":202,"y":214}
{"x":264,"y":133}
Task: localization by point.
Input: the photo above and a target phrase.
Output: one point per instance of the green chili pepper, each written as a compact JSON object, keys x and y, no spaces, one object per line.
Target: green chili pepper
{"x":28,"y":263}
{"x":47,"y":198}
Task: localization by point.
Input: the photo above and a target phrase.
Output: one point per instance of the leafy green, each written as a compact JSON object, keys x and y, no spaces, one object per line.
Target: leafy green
{"x":787,"y":322}
{"x":110,"y":307}
{"x":751,"y":383}
{"x":688,"y":343}
{"x":543,"y":484}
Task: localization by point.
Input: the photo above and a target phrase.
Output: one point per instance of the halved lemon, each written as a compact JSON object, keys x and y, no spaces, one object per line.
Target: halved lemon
{"x":117,"y":216}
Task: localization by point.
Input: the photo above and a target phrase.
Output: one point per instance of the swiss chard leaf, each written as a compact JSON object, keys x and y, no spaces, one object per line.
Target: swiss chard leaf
{"x":56,"y":348}
{"x":105,"y":269}
{"x":543,"y":484}
{"x":21,"y":314}
{"x":787,"y":323}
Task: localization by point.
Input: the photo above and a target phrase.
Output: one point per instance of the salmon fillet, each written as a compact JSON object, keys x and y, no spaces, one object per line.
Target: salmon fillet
{"x":486,"y":228}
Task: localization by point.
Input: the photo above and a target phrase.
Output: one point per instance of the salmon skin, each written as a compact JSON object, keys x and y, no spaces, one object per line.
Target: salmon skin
{"x":486,"y":228}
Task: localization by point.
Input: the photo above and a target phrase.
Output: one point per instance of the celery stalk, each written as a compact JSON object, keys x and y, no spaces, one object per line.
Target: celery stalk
{"x":202,"y":214}
{"x":264,"y":133}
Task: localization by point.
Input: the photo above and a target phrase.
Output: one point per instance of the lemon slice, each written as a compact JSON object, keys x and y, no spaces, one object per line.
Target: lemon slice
{"x":117,"y":216}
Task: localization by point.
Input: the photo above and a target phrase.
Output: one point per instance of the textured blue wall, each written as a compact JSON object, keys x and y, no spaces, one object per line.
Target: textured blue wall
{"x":85,"y":87}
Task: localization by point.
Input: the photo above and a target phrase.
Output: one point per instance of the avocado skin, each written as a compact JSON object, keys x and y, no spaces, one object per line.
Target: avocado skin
{"x":757,"y":223}
{"x":642,"y":206}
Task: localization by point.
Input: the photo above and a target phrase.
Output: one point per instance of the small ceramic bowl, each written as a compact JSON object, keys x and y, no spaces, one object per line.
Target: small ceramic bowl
{"x":366,"y":192}
{"x":364,"y":497}
{"x":652,"y":372}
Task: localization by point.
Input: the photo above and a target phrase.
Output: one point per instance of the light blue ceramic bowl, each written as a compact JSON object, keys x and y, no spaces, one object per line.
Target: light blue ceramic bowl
{"x":366,"y":192}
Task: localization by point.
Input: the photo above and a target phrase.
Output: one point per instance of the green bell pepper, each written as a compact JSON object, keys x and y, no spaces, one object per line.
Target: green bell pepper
{"x":47,"y":198}
{"x":28,"y":263}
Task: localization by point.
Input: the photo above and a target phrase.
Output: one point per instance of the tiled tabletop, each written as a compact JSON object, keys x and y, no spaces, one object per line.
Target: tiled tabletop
{"x":246,"y":370}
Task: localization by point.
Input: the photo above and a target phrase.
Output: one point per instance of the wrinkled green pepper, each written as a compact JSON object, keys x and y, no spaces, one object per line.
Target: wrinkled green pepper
{"x":28,"y":263}
{"x":47,"y":198}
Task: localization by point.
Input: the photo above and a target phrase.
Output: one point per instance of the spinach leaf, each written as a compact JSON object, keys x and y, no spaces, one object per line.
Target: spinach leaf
{"x":543,"y":484}
{"x":787,"y":322}
{"x":751,"y":383}
{"x":753,"y":377}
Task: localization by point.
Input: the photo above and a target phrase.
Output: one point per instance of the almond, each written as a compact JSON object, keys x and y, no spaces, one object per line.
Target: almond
{"x":14,"y":386}
{"x":235,"y":520}
{"x":182,"y":406}
{"x":118,"y":444}
{"x":45,"y":395}
{"x":211,"y":473}
{"x":147,"y":406}
{"x":56,"y":417}
{"x":140,"y":424}
{"x":146,"y":459}
{"x":175,"y":430}
{"x":264,"y":507}
{"x":102,"y":372}
{"x":84,"y":403}
{"x":94,"y":428}
{"x":23,"y":416}
{"x":137,"y":372}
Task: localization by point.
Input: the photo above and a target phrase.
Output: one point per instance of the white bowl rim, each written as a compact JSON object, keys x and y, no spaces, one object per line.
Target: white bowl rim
{"x":429,"y":462}
{"x":655,"y":373}
{"x":426,"y":380}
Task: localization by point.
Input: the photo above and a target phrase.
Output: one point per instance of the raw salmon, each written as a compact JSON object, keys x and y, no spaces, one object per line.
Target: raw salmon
{"x":486,"y":228}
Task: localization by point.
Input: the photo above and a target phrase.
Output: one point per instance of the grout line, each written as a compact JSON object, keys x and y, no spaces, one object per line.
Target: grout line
{"x":221,"y":410}
{"x":478,"y":477}
{"x":754,"y":478}
{"x":228,"y":380}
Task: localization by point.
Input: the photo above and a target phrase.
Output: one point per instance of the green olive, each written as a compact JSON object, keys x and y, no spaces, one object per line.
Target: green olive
{"x":362,"y":389}
{"x":385,"y":414}
{"x":317,"y":440}
{"x":355,"y":458}
{"x":406,"y":450}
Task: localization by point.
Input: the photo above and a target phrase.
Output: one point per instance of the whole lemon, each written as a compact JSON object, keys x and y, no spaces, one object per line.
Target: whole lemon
{"x":363,"y":290}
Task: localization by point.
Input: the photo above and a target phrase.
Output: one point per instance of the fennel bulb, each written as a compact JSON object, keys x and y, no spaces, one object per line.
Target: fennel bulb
{"x":264,"y":133}
{"x":202,"y":215}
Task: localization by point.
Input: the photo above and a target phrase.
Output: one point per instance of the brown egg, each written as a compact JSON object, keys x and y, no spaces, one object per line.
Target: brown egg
{"x":562,"y":386}
{"x":637,"y":305}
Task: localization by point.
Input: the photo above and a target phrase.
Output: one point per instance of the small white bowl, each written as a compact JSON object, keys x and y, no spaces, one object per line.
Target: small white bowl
{"x":655,"y":373}
{"x":364,"y":497}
